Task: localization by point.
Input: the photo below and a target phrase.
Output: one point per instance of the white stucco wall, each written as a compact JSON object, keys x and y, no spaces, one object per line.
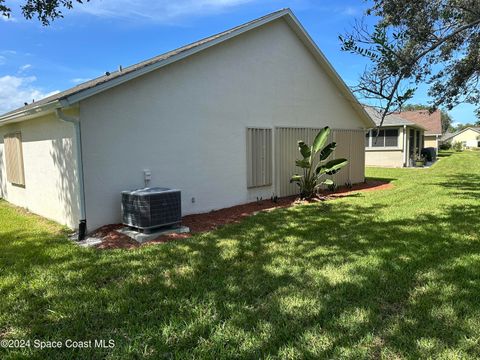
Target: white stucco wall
{"x":50,"y":177}
{"x":187,"y":122}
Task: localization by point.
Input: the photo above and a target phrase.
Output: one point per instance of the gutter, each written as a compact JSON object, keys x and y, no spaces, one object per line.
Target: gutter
{"x":23,"y":115}
{"x":82,"y":226}
{"x":405,"y":158}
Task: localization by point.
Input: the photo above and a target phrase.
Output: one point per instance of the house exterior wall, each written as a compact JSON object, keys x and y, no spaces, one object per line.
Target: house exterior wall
{"x":469,"y":136}
{"x":51,"y":186}
{"x":187,"y":122}
{"x":388,"y":156}
{"x":431,"y":141}
{"x":385,"y":158}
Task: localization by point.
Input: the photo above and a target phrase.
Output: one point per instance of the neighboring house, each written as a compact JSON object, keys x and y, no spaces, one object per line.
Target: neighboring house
{"x":218,"y":119}
{"x":431,"y":122}
{"x":468,"y":137}
{"x":394,"y":144}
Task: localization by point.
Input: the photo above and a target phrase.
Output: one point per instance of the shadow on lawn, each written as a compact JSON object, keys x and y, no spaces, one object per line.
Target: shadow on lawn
{"x":463,"y":185}
{"x":443,"y":154}
{"x":324,"y":280}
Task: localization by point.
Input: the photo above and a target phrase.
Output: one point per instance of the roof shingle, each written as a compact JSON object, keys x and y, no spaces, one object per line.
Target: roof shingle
{"x":390,"y":120}
{"x":431,"y":122}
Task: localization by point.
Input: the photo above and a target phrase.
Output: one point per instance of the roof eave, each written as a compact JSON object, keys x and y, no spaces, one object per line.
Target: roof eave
{"x":31,"y":113}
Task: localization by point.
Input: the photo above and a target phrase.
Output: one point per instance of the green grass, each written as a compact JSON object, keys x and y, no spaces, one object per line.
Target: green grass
{"x":388,"y":274}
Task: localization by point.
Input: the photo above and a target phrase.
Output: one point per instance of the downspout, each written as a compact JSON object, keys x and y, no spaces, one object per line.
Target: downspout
{"x":82,"y":226}
{"x":405,"y":157}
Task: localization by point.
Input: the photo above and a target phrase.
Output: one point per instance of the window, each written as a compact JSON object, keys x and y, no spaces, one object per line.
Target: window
{"x":378,"y":138}
{"x":259,"y":157}
{"x":382,"y":138}
{"x":14,"y":158}
{"x":391,"y":137}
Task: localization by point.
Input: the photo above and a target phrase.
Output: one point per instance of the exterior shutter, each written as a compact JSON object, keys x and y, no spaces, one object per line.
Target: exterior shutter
{"x":14,"y":158}
{"x":259,"y":157}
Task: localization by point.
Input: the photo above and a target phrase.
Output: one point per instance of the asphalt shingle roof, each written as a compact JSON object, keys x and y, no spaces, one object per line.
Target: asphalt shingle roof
{"x":390,"y":120}
{"x":449,"y":135}
{"x":431,"y":122}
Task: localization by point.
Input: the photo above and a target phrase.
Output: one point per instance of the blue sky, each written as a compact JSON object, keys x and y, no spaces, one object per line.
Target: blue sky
{"x":98,"y":36}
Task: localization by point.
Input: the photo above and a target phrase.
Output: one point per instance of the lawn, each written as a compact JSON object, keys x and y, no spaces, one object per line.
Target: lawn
{"x":389,"y":274}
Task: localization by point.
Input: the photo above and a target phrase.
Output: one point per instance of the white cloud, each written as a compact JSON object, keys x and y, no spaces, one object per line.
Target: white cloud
{"x":6,"y":18}
{"x":24,"y":68}
{"x":161,"y":11}
{"x":15,"y":91}
{"x":351,"y":11}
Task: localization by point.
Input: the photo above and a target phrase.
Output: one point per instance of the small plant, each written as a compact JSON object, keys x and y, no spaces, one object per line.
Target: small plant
{"x":419,"y":160}
{"x":457,"y":146}
{"x":315,"y":171}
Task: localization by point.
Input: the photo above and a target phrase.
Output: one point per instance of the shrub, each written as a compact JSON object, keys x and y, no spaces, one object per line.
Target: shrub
{"x":445,"y":146}
{"x":457,"y":146}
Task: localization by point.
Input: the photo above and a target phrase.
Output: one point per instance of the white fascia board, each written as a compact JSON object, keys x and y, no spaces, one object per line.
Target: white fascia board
{"x":30,"y":113}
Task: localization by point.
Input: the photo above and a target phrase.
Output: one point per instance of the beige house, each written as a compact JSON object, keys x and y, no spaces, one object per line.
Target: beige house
{"x":218,"y":119}
{"x":468,"y":137}
{"x":395,"y":143}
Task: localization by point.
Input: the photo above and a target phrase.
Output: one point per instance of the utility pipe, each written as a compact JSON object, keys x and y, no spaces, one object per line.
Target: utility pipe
{"x":405,"y":157}
{"x":82,"y":226}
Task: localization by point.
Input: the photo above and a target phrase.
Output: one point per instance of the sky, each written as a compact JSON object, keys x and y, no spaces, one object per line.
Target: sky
{"x":36,"y":61}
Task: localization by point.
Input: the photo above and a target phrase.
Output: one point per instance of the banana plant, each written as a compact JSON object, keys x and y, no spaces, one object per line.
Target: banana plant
{"x":315,"y":170}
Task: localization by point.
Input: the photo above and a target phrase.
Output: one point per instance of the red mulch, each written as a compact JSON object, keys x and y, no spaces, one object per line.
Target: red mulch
{"x":197,"y":223}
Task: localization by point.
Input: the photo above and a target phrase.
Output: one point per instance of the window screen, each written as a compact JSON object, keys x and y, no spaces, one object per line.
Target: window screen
{"x":391,"y":137}
{"x":378,"y":140}
{"x":14,"y":158}
{"x":259,"y":157}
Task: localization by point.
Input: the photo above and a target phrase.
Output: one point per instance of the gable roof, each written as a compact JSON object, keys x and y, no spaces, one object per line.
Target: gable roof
{"x":431,"y":122}
{"x":390,"y":120}
{"x":72,"y":96}
{"x":448,"y":136}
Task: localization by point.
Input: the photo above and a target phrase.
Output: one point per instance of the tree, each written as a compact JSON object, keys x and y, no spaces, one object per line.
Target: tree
{"x":44,"y":10}
{"x":418,"y":41}
{"x":445,"y":116}
{"x":463,"y":126}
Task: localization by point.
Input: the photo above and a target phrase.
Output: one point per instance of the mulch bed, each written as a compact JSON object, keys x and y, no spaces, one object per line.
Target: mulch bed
{"x":112,"y":239}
